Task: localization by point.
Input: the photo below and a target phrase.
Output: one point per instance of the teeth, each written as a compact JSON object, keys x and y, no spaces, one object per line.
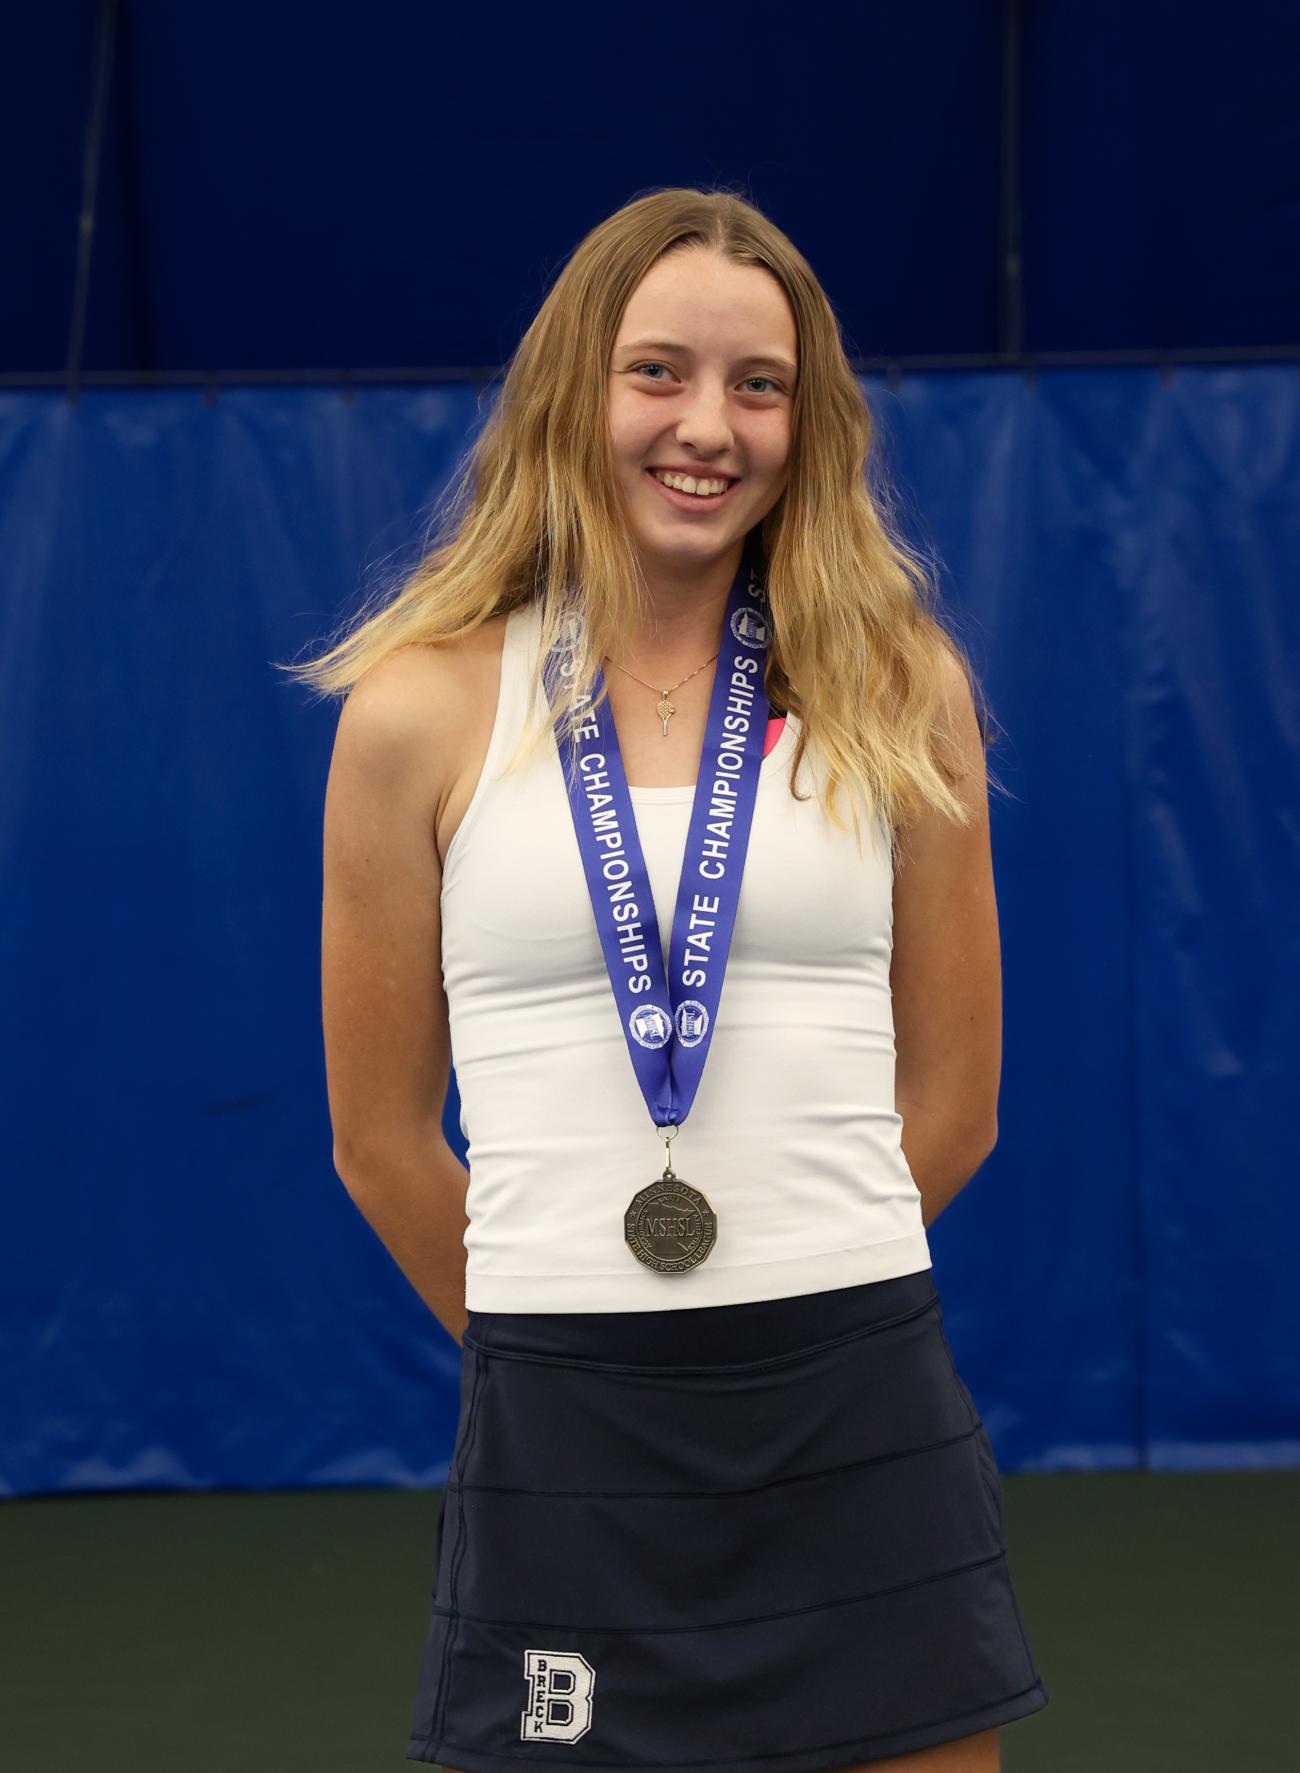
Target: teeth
{"x":688,"y":483}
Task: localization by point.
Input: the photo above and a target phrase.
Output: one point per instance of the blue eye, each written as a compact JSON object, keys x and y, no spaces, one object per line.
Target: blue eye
{"x":637,"y":368}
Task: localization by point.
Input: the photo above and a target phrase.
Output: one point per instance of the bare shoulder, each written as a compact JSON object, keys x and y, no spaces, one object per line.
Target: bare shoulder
{"x":401,"y":742}
{"x":405,"y":724}
{"x":425,"y":682}
{"x":964,"y":726}
{"x":930,"y":832}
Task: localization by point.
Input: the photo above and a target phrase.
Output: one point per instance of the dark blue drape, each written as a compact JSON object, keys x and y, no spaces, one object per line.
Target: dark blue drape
{"x":188,"y":1296}
{"x":311,"y":186}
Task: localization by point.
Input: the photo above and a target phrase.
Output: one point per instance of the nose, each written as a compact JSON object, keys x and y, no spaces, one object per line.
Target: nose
{"x":702,"y":422}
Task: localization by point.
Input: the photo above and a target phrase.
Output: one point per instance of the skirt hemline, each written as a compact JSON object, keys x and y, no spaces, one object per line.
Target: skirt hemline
{"x":824,"y":1759}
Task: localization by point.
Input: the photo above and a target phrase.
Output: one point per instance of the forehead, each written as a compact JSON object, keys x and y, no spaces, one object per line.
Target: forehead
{"x":707,"y":302}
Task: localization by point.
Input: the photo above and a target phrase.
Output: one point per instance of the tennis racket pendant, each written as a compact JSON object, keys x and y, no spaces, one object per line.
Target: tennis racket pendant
{"x":670,"y":1226}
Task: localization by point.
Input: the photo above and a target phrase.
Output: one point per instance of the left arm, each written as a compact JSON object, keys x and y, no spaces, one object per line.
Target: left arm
{"x":946,"y":979}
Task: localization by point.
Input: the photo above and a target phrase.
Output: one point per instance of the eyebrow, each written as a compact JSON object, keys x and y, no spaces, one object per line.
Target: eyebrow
{"x":769,"y":360}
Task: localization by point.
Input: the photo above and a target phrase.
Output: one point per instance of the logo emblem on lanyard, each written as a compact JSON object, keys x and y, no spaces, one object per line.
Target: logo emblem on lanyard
{"x":668,"y":1019}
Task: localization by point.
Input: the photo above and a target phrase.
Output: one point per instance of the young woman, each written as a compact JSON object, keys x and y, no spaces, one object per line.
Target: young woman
{"x":719,"y":1497}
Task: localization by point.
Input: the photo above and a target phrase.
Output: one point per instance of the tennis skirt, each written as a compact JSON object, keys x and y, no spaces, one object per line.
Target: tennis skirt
{"x":762,"y":1538}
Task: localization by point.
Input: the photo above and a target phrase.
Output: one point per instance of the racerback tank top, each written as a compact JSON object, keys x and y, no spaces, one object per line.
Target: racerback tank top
{"x":792,"y":1137}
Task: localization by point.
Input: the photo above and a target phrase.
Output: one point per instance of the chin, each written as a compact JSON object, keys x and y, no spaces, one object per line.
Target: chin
{"x":695,"y":547}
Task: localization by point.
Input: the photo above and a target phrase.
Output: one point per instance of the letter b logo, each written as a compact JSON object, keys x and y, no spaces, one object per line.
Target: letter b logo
{"x":560,"y":1686}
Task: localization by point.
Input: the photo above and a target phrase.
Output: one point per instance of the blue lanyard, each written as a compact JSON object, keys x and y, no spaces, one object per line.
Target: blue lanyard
{"x":668,"y":1022}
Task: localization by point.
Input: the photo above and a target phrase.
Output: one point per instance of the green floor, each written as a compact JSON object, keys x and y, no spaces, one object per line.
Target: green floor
{"x":271,"y":1633}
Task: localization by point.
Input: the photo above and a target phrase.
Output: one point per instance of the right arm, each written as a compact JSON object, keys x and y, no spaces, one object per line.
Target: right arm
{"x":387,"y":1038}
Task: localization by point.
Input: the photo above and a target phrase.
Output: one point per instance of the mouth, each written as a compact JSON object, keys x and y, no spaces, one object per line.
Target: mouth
{"x":697,"y":502}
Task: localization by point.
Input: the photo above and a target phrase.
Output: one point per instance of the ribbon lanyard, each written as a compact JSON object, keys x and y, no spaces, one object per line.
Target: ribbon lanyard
{"x":668,"y":1021}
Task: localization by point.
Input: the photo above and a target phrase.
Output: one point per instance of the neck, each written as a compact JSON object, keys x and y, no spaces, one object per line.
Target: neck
{"x":685,"y":615}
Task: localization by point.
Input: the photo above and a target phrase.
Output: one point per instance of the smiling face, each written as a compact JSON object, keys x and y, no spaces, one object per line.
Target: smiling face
{"x":701,"y":380}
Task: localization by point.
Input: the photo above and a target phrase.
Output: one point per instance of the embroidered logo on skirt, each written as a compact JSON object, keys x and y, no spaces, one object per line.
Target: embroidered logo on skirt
{"x":560,"y":1686}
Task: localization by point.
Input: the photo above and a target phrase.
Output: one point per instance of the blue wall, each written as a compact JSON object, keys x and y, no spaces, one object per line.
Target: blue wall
{"x":187,"y":1294}
{"x":329,"y":184}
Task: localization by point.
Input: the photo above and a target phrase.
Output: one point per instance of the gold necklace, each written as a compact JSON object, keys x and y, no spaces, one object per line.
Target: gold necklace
{"x":665,"y":709}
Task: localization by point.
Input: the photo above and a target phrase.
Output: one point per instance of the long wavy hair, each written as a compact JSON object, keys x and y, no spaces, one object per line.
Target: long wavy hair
{"x":859,"y":651}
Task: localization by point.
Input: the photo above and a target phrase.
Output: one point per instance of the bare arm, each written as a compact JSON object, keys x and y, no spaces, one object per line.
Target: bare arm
{"x":946,"y":978}
{"x":387,"y":1040}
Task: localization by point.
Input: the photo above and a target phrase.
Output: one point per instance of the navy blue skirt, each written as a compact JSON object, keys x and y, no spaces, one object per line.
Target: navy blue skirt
{"x":762,"y":1538}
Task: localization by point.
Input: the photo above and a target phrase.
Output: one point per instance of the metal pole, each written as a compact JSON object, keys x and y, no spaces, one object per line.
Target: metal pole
{"x":92,"y":152}
{"x":1011,"y":306}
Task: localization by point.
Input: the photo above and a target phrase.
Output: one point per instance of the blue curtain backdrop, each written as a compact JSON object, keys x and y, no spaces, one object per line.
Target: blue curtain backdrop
{"x":188,"y":1296}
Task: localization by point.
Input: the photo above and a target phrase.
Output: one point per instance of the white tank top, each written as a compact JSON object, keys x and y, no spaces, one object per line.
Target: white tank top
{"x":792,"y":1137}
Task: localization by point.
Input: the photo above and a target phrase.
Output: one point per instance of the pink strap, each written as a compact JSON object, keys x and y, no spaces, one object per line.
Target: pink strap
{"x":774,"y":731}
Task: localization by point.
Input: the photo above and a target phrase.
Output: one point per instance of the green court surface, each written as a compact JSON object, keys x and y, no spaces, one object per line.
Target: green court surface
{"x":278,"y":1632}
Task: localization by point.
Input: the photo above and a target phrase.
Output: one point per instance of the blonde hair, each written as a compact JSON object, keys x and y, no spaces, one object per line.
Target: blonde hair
{"x":858,"y":650}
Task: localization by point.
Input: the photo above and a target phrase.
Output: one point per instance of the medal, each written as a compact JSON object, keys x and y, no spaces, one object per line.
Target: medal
{"x":668,"y":1019}
{"x":669,"y":1225}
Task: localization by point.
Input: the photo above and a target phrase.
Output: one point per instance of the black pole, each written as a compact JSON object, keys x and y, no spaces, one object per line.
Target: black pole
{"x":1011,"y":306}
{"x":92,"y":153}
